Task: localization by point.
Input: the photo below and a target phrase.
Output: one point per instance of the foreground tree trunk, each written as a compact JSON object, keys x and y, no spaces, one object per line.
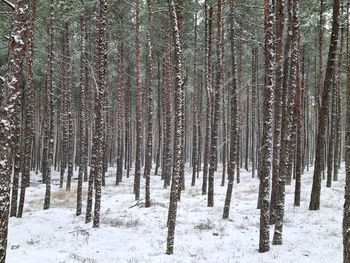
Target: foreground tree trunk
{"x":278,"y":103}
{"x":287,"y":127}
{"x":266,"y":140}
{"x":8,"y":102}
{"x":98,"y":148}
{"x":346,"y":213}
{"x":233,"y":110}
{"x":323,"y":114}
{"x":28,"y":119}
{"x":175,"y":183}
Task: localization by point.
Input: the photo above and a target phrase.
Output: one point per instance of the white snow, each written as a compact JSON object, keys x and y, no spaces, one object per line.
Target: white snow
{"x":138,"y":234}
{"x":18,"y":39}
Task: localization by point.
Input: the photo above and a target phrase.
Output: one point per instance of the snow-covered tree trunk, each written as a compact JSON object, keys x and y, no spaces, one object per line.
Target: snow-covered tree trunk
{"x":337,"y":150}
{"x":8,"y":102}
{"x":49,"y":108}
{"x":278,"y":100}
{"x":216,"y":109}
{"x":70,"y":108}
{"x":28,"y":119}
{"x":139,"y":131}
{"x":323,"y":114}
{"x":178,"y":147}
{"x":346,"y":213}
{"x":266,"y":139}
{"x":287,"y":126}
{"x":231,"y":167}
{"x":120,"y":96}
{"x":83,"y":123}
{"x":208,"y":88}
{"x":149,"y":86}
{"x":167,"y":88}
{"x":299,"y":155}
{"x":195,"y":114}
{"x":16,"y":153}
{"x":98,"y":139}
{"x":159,"y":117}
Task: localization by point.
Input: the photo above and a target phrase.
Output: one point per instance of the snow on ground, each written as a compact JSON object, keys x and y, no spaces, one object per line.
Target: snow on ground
{"x":138,"y":234}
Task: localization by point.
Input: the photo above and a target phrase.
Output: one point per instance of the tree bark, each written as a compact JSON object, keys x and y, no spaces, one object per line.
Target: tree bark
{"x":323,"y":115}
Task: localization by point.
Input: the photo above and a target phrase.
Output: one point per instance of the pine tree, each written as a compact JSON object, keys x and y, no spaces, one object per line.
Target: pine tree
{"x":149,"y":83}
{"x":346,"y":213}
{"x":287,"y":126}
{"x":98,"y":140}
{"x":323,"y":114}
{"x":49,"y":109}
{"x":137,"y":177}
{"x":175,"y":184}
{"x":266,"y":139}
{"x":216,"y":109}
{"x":8,"y":103}
{"x":233,"y":110}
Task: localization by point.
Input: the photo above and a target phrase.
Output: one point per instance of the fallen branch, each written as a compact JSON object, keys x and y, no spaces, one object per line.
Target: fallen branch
{"x":9,"y":3}
{"x":138,"y":203}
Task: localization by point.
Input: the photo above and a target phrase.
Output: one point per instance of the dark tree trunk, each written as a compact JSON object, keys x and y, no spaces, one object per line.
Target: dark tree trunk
{"x":278,"y":96}
{"x":233,"y":111}
{"x":323,"y":114}
{"x":49,"y":109}
{"x":266,"y":139}
{"x":137,"y":177}
{"x":83,"y":126}
{"x":149,"y":86}
{"x":9,"y":99}
{"x":216,"y":110}
{"x":175,"y":184}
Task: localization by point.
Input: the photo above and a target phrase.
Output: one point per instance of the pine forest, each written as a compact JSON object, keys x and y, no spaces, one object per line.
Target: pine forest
{"x":174,"y":131}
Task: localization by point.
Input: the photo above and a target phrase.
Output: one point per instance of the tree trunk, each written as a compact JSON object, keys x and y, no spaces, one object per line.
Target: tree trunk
{"x":175,"y":184}
{"x":216,"y":110}
{"x":8,"y":102}
{"x":137,"y":177}
{"x":233,"y":125}
{"x":266,"y":139}
{"x":323,"y":115}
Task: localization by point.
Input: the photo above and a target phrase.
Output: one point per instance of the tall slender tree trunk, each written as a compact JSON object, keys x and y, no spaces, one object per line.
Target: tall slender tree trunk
{"x":83,"y":126}
{"x":233,"y":111}
{"x":195,"y":113}
{"x":137,"y":177}
{"x":175,"y":184}
{"x":216,"y":110}
{"x":50,"y":113}
{"x":208,"y":93}
{"x":346,"y":213}
{"x":287,"y":127}
{"x":98,"y":140}
{"x":149,"y":87}
{"x":28,"y":122}
{"x":266,"y":139}
{"x":337,"y":151}
{"x":8,"y":102}
{"x":323,"y":114}
{"x":278,"y":103}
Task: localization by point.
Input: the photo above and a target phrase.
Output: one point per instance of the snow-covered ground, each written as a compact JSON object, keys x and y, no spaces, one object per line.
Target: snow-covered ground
{"x":138,"y":234}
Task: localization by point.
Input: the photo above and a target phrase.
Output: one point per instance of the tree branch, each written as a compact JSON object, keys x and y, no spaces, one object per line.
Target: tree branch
{"x":9,"y":3}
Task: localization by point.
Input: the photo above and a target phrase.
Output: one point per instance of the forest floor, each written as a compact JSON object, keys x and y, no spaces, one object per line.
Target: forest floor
{"x":137,"y":234}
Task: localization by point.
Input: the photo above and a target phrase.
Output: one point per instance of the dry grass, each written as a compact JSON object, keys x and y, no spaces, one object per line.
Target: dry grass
{"x":65,"y":199}
{"x":78,"y":258}
{"x":121,"y":222}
